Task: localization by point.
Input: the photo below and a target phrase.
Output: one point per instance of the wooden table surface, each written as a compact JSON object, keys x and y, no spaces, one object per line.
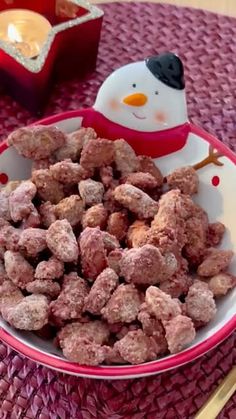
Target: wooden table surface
{"x":227,"y":7}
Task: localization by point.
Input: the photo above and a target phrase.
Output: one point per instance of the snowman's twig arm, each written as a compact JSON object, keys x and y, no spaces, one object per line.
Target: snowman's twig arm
{"x":212,"y":158}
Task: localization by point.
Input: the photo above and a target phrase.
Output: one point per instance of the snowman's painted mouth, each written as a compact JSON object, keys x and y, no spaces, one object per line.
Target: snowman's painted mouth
{"x":138,"y":116}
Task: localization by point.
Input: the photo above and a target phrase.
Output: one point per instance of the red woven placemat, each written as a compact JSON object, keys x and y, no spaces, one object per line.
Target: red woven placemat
{"x":207,"y":44}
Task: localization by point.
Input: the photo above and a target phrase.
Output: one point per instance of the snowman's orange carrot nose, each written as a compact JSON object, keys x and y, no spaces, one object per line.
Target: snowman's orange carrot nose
{"x":136,"y":99}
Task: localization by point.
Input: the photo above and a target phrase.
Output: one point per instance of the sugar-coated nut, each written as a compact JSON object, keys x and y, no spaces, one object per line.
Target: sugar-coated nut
{"x":215,"y":233}
{"x":142,"y":180}
{"x":147,"y":165}
{"x":41,"y":164}
{"x":62,"y":242}
{"x":160,"y":304}
{"x":215,"y":261}
{"x":196,"y":242}
{"x":48,"y":189}
{"x":136,"y":201}
{"x":32,"y":220}
{"x":112,"y":356}
{"x":33,"y":241}
{"x":109,"y":201}
{"x":110,"y":242}
{"x":18,"y":269}
{"x":123,"y":306}
{"x":95,"y":330}
{"x":49,"y":269}
{"x":118,"y":224}
{"x":137,"y":234}
{"x":200,"y":304}
{"x":44,"y":286}
{"x":146,"y":265}
{"x":178,"y":285}
{"x":4,"y":205}
{"x":9,"y":237}
{"x":95,"y":216}
{"x":71,"y":209}
{"x":113,"y":260}
{"x":97,"y":153}
{"x":20,"y":200}
{"x":83,"y":351}
{"x":125,"y":157}
{"x":180,"y":332}
{"x":93,"y":253}
{"x":68,"y":172}
{"x":74,"y":143}
{"x":30,"y":313}
{"x":135,"y":347}
{"x":101,"y":291}
{"x":221,"y":283}
{"x":91,"y":191}
{"x":106,"y":175}
{"x":47,"y":213}
{"x":10,"y":295}
{"x":36,"y":142}
{"x":185,"y":179}
{"x":70,"y":302}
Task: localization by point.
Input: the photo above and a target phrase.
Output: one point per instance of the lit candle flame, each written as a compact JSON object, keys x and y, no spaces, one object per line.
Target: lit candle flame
{"x":13,"y":34}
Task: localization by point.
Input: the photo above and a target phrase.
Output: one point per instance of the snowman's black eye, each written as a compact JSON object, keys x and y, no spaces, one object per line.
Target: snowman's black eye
{"x":156,"y":92}
{"x":134,"y":85}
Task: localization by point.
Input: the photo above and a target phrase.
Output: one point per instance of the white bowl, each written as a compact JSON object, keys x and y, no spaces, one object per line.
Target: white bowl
{"x":220,"y":203}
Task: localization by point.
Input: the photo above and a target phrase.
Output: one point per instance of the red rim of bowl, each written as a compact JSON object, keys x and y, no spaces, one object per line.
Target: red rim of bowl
{"x":133,"y":370}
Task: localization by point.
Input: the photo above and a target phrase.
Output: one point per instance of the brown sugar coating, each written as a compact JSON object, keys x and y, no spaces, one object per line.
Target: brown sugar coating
{"x":52,"y":268}
{"x":71,"y":209}
{"x":36,"y":142}
{"x":142,"y":180}
{"x":221,"y":283}
{"x":136,"y":201}
{"x":147,"y":165}
{"x":180,"y":332}
{"x":91,"y":192}
{"x":44,"y":286}
{"x":74,"y":143}
{"x":97,"y":153}
{"x":137,"y":234}
{"x":68,"y":172}
{"x":62,"y":242}
{"x":20,"y":200}
{"x":48,"y":188}
{"x":123,"y":306}
{"x":200,"y":304}
{"x":93,"y":253}
{"x":161,"y":305}
{"x":33,"y":241}
{"x":125,"y":158}
{"x":18,"y":269}
{"x":95,"y":216}
{"x":185,"y":179}
{"x":118,"y":224}
{"x":136,"y":347}
{"x":215,"y":261}
{"x":215,"y":233}
{"x":101,"y":291}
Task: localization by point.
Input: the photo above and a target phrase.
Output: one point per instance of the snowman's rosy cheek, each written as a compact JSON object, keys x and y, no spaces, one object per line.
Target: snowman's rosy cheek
{"x":114,"y":104}
{"x":160,"y":117}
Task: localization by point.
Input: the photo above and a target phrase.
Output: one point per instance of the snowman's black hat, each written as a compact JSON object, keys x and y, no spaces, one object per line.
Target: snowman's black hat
{"x":168,"y":68}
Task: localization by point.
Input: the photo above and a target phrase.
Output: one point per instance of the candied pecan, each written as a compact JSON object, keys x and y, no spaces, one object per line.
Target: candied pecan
{"x":101,"y":291}
{"x":135,"y":347}
{"x":18,"y":269}
{"x":147,"y":165}
{"x":118,"y":224}
{"x":49,"y":269}
{"x":180,"y":332}
{"x":44,"y":286}
{"x":200,"y":304}
{"x":36,"y":142}
{"x":47,"y":213}
{"x":146,"y":265}
{"x":20,"y":200}
{"x":215,"y":233}
{"x":137,"y":234}
{"x":160,"y":304}
{"x":215,"y":261}
{"x":33,"y":241}
{"x":30,"y":313}
{"x":95,"y":216}
{"x":221,"y":283}
{"x":136,"y":201}
{"x":62,"y":242}
{"x":125,"y":157}
{"x":91,"y":191}
{"x":70,"y":302}
{"x":185,"y":179}
{"x":74,"y":143}
{"x":70,"y":209}
{"x":97,"y":153}
{"x":48,"y":189}
{"x":141,"y":180}
{"x":67,"y":172}
{"x":123,"y":306}
{"x":93,"y":253}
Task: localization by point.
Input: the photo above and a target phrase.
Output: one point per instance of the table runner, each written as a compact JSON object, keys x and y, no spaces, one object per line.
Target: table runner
{"x":206,"y":43}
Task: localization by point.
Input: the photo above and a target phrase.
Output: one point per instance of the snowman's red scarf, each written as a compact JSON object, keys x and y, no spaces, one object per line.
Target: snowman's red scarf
{"x":154,"y":144}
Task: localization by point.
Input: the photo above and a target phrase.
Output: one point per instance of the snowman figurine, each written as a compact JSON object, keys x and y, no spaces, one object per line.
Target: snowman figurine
{"x":143,"y":102}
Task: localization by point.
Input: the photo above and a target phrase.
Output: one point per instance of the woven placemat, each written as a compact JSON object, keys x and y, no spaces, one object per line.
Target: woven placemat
{"x":207,"y":44}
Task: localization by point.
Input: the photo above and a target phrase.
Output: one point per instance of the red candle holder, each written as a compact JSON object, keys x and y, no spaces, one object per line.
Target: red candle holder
{"x":71,"y":49}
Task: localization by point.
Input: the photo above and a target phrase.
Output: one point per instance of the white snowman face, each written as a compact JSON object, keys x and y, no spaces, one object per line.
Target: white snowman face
{"x":132,"y":97}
